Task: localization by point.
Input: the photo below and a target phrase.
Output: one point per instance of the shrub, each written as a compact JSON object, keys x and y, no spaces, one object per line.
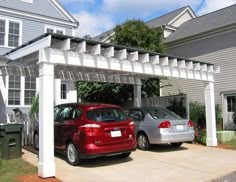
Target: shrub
{"x":234,"y":115}
{"x":178,"y":107}
{"x":198,"y":114}
{"x":35,"y":105}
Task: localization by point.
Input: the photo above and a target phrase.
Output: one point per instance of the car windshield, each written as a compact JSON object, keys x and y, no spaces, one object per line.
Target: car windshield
{"x":162,"y":113}
{"x":106,"y":114}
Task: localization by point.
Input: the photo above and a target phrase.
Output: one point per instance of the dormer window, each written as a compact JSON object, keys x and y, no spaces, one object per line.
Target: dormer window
{"x":49,"y":29}
{"x":27,"y":1}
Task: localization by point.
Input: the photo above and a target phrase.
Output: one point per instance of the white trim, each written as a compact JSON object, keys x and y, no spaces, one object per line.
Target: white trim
{"x":27,"y":1}
{"x":61,"y":10}
{"x":7,"y":21}
{"x":179,"y":15}
{"x":30,"y":15}
{"x":55,"y":28}
{"x":42,"y":43}
{"x":22,"y":93}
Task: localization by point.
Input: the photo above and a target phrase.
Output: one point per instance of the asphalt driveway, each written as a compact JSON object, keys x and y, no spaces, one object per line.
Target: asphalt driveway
{"x":162,"y":163}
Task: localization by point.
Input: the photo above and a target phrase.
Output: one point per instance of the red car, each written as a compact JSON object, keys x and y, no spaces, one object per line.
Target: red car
{"x":91,"y":130}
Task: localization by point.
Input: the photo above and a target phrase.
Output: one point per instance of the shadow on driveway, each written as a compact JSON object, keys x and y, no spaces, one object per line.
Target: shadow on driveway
{"x":165,"y":148}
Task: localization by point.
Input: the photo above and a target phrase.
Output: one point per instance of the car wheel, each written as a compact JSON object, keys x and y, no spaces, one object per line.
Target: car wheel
{"x":143,"y":142}
{"x":72,"y":155}
{"x":176,"y":144}
{"x":36,"y":141}
{"x":124,"y":155}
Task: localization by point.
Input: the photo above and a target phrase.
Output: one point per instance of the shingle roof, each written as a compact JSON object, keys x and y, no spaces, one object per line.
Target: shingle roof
{"x":157,"y":22}
{"x":208,"y":22}
{"x":162,"y":20}
{"x":100,"y":37}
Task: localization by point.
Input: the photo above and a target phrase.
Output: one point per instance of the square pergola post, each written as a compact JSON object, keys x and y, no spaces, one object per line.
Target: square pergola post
{"x":46,"y":164}
{"x":210,"y":114}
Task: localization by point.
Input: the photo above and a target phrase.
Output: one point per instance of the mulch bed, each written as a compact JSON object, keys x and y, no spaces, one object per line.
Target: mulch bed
{"x":35,"y":178}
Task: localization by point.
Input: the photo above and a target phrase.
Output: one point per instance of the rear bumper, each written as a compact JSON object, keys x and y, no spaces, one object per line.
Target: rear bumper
{"x":93,"y":151}
{"x":165,"y":137}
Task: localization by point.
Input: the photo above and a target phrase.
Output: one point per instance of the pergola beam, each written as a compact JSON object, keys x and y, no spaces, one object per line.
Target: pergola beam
{"x":166,"y":67}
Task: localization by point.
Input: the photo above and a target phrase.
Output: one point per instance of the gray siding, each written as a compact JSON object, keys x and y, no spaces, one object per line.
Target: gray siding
{"x":32,"y":28}
{"x":219,"y":50}
{"x":41,"y":7}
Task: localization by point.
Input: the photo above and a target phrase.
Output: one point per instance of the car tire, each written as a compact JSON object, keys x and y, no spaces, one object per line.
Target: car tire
{"x":72,"y":154}
{"x":176,"y":144}
{"x":143,"y":142}
{"x":36,"y":141}
{"x":125,"y":155}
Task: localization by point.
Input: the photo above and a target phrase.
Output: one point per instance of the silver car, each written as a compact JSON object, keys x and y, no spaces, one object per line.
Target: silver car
{"x":160,"y":126}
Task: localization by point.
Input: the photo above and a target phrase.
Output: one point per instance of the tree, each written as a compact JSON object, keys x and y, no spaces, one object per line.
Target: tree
{"x":135,"y":33}
{"x":132,"y":33}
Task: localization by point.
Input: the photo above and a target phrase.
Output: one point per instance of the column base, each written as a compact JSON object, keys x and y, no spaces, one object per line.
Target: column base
{"x":211,"y":142}
{"x":46,"y":170}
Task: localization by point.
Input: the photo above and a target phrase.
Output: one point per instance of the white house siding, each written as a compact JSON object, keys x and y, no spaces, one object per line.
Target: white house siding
{"x":219,"y":50}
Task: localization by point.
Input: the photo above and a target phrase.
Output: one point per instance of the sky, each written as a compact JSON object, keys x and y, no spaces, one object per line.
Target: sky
{"x":98,"y":16}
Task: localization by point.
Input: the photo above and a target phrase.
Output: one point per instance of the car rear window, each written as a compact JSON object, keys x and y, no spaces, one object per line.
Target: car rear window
{"x":106,"y":115}
{"x":162,"y":113}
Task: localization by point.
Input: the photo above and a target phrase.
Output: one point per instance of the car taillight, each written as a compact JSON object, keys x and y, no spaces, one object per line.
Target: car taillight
{"x":190,"y":123}
{"x":164,"y":124}
{"x":89,"y":128}
{"x":131,"y":125}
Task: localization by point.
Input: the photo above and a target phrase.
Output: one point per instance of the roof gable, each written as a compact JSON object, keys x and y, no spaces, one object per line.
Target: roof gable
{"x":48,"y":8}
{"x":205,"y":23}
{"x":169,"y":18}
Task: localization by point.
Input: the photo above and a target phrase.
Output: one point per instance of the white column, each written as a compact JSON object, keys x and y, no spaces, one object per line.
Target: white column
{"x":46,"y":165}
{"x":210,"y":114}
{"x":137,"y":96}
{"x":57,"y":91}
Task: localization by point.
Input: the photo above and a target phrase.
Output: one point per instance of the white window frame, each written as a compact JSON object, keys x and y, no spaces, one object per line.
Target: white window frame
{"x":7,"y":22}
{"x":63,"y":83}
{"x":54,"y":29}
{"x":34,"y":90}
{"x":20,"y":89}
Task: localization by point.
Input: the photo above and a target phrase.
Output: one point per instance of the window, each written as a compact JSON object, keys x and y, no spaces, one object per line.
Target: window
{"x":30,"y":89}
{"x":106,"y":115}
{"x":54,"y":30}
{"x":2,"y":32}
{"x":63,"y":91}
{"x":14,"y":32}
{"x":136,"y":115}
{"x":65,"y":113}
{"x":49,"y":30}
{"x":10,"y":33}
{"x":231,"y":103}
{"x":14,"y":90}
{"x":60,"y":32}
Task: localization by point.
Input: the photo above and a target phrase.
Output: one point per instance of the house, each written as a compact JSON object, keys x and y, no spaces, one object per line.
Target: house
{"x":168,"y":23}
{"x":210,"y":38}
{"x":20,"y":22}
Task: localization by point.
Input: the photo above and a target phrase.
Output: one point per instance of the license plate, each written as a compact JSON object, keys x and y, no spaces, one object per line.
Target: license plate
{"x":179,"y":127}
{"x":115,"y":133}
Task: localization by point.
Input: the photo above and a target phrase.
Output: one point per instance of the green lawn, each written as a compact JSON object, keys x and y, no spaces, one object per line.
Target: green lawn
{"x":9,"y":169}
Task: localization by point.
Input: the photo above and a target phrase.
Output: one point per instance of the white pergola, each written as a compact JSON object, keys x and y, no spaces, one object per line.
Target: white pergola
{"x":52,"y":56}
